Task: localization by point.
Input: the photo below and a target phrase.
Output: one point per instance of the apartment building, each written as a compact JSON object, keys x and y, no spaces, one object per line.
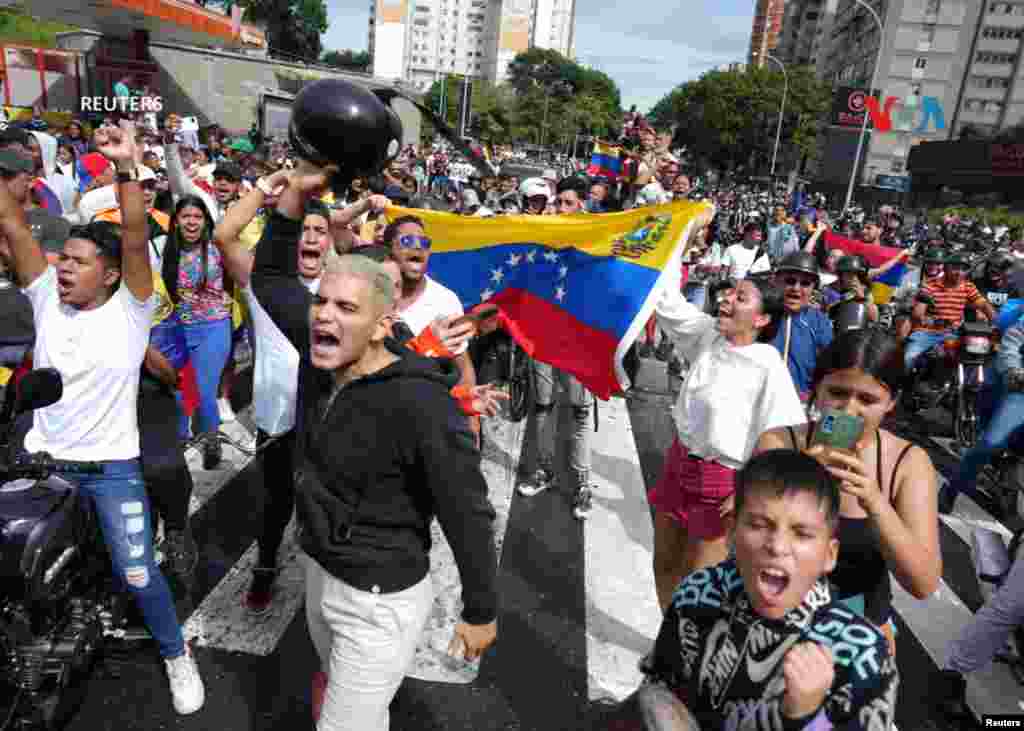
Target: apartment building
{"x":419,"y":41}
{"x":799,"y":40}
{"x":964,"y":54}
{"x":767,"y":25}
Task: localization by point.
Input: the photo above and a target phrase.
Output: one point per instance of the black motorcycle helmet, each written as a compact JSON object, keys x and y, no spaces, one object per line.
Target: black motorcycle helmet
{"x":958,"y":258}
{"x":1000,"y":262}
{"x":337,"y":122}
{"x":799,"y":261}
{"x":852,"y":265}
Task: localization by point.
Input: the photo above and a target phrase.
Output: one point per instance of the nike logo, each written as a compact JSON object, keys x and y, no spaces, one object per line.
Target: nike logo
{"x":759,"y":670}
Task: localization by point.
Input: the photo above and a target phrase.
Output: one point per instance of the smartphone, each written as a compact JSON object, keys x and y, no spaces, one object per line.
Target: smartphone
{"x":189,"y":124}
{"x":838,"y":430}
{"x":485,"y":314}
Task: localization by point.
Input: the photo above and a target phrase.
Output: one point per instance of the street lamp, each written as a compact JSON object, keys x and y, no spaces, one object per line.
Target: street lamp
{"x":871,"y":87}
{"x":782,"y":108}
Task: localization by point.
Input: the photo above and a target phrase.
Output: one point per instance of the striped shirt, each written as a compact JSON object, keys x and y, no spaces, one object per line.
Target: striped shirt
{"x":950,"y":302}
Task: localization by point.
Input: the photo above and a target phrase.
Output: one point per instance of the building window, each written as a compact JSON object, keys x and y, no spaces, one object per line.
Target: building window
{"x":920,"y":63}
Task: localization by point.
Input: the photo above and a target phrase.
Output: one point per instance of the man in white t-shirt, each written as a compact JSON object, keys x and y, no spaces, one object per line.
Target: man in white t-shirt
{"x":749,"y":256}
{"x":425,"y":300}
{"x":93,"y":314}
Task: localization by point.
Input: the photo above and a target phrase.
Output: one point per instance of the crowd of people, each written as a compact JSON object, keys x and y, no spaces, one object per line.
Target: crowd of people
{"x":137,"y":262}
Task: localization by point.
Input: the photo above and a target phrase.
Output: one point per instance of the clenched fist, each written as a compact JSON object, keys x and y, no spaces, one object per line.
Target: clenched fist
{"x":809,"y":673}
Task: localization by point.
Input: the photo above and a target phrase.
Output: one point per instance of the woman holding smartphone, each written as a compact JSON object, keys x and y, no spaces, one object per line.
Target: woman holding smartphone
{"x":889,"y":509}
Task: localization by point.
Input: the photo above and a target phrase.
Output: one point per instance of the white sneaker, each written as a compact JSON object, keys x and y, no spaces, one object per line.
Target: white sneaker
{"x":227,"y":414}
{"x":187,"y":689}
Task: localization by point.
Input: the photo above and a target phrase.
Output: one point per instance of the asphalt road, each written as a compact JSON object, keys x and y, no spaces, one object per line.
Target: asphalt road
{"x":536,"y":679}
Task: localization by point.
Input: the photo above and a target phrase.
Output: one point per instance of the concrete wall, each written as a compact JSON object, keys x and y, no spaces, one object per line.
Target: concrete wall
{"x":224,"y":88}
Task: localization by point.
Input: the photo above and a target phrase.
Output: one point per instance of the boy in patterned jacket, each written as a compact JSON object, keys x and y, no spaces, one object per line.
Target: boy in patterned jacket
{"x":757,"y":643}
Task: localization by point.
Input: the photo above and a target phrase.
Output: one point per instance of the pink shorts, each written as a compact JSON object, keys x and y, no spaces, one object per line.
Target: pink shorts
{"x":692,"y":491}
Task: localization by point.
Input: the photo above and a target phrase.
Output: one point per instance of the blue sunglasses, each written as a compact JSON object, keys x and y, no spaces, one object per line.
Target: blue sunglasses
{"x":411,"y":241}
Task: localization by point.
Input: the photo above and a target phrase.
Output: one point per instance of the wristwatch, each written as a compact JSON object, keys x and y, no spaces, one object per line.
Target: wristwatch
{"x":128,"y":176}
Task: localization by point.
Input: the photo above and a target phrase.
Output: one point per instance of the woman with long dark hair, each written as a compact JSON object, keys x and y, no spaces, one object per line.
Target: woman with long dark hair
{"x":889,"y":510}
{"x":736,"y":388}
{"x":198,"y":285}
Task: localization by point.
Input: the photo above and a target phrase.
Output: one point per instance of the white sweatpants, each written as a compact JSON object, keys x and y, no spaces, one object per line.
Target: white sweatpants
{"x":366,"y":641}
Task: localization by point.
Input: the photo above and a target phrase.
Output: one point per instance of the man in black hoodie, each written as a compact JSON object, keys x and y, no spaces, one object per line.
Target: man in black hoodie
{"x":382,"y":449}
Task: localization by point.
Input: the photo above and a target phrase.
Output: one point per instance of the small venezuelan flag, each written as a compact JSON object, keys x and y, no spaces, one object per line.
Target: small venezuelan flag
{"x":875,"y":256}
{"x":605,"y":161}
{"x":575,"y":291}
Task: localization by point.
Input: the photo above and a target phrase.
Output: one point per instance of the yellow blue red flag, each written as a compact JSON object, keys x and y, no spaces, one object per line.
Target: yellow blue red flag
{"x":575,"y":291}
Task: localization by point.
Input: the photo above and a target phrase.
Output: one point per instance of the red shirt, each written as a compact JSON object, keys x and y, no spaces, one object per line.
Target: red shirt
{"x":950,"y":302}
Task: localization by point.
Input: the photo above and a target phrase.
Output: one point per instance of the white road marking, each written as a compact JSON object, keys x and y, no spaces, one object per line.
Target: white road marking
{"x":432,"y":661}
{"x":623,"y":616}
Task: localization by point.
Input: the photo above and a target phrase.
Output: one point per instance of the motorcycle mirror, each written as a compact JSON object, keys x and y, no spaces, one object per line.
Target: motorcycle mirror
{"x":38,"y":389}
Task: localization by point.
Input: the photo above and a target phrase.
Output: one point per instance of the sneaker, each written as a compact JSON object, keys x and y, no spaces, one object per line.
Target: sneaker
{"x":583,"y":503}
{"x":261,"y":592}
{"x":187,"y":689}
{"x":540,"y":481}
{"x":180,"y":551}
{"x":212,"y":454}
{"x":227,"y":414}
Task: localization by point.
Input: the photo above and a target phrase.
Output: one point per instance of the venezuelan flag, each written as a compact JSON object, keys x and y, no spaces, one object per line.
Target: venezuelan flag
{"x":605,"y":161}
{"x":575,"y":291}
{"x":875,"y":256}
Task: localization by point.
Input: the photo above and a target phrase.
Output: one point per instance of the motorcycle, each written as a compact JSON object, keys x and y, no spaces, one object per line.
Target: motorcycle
{"x":953,"y":375}
{"x":59,"y":606}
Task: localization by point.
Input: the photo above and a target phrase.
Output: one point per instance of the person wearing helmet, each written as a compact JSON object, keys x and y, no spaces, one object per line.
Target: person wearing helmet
{"x":571,"y":195}
{"x":805,"y":331}
{"x":749,"y":256}
{"x":373,"y":553}
{"x":995,"y":282}
{"x":952,"y":292}
{"x":535,"y":195}
{"x":471,"y":205}
{"x":854,"y":282}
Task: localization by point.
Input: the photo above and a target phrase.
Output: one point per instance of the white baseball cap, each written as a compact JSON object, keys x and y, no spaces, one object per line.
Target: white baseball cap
{"x":532,"y":187}
{"x":551,"y":175}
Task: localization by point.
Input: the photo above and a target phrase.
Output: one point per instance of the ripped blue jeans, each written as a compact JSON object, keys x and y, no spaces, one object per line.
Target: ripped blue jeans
{"x":119,"y":497}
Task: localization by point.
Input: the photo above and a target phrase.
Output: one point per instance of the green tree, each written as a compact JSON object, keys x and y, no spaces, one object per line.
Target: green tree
{"x":293,"y":26}
{"x":353,"y":60}
{"x":728,"y":118}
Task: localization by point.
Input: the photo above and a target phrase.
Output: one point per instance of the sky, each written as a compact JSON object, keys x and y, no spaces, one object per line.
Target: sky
{"x":647,"y":47}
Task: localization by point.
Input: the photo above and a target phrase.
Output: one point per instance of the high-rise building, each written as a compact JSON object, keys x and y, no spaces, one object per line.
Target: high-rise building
{"x":799,"y":31}
{"x":954,"y":63}
{"x":419,"y":41}
{"x":764,"y":35}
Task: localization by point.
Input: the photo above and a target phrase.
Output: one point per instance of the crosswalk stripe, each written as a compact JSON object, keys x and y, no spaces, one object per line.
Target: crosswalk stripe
{"x":431,"y":661}
{"x":623,"y":616}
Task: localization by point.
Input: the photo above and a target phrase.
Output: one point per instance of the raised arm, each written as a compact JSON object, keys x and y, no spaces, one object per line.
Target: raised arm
{"x":237,"y":259}
{"x":27,"y":260}
{"x":118,"y":144}
{"x":886,"y":266}
{"x":340,"y":220}
{"x":813,"y":240}
{"x":177,"y":179}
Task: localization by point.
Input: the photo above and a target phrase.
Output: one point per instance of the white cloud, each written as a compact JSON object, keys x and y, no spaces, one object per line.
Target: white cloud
{"x":648,"y":48}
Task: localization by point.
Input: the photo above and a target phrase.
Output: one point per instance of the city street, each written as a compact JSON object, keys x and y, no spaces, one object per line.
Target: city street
{"x":577,"y":604}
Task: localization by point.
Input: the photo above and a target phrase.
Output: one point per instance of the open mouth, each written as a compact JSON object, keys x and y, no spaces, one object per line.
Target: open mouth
{"x":771,"y":583}
{"x":324,"y":344}
{"x":310,"y":257}
{"x":64,"y":286}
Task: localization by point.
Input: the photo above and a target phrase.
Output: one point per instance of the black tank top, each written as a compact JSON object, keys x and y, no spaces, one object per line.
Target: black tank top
{"x":861,"y":568}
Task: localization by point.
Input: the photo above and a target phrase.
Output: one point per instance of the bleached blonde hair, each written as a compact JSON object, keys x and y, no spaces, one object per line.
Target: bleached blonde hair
{"x":366,"y":269}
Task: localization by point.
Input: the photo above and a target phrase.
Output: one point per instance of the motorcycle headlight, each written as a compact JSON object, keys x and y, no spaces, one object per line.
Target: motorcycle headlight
{"x":977,"y":345}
